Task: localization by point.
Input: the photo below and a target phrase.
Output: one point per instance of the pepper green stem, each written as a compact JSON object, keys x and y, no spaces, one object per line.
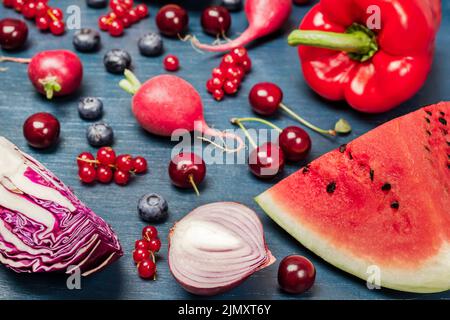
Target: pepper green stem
{"x":308,"y":124}
{"x":268,"y":123}
{"x":131,"y":83}
{"x":192,"y":182}
{"x":249,"y":137}
{"x":358,"y":41}
{"x":50,"y":85}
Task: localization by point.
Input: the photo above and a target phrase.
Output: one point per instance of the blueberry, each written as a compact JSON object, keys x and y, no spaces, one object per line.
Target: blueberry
{"x":90,"y":108}
{"x":153,"y":208}
{"x":117,"y":60}
{"x":86,"y":40}
{"x":232,"y":5}
{"x":150,"y":44}
{"x":100,"y":134}
{"x":97,"y":3}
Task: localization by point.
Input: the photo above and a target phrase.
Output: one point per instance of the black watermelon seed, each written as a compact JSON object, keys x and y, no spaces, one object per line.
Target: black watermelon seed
{"x":342,"y":148}
{"x":428,"y":132}
{"x":442,"y":113}
{"x":443,"y":121}
{"x":426,"y":148}
{"x":427,"y":120}
{"x":350,"y":155}
{"x":372,"y":174}
{"x":386,"y":187}
{"x":429,"y":113}
{"x":448,"y":143}
{"x":331,"y":187}
{"x":395,"y":205}
{"x":444,"y":132}
{"x":305,"y":169}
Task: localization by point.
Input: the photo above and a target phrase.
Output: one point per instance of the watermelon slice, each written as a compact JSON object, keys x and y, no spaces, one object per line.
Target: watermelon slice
{"x":383,"y":200}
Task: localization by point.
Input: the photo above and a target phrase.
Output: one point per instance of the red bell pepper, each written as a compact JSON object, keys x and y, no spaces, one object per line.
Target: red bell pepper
{"x":374,"y":70}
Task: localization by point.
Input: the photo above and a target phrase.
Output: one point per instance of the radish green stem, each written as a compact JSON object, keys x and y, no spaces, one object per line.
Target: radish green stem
{"x":268,"y":123}
{"x":250,"y":139}
{"x":307,"y":123}
{"x":50,"y":85}
{"x":191,"y":180}
{"x":131,"y":83}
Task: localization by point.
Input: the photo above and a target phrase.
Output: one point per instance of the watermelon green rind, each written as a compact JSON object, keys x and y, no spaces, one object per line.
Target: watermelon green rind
{"x":355,"y":226}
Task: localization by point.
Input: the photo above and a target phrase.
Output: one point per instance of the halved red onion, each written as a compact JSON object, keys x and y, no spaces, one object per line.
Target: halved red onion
{"x":216,"y":247}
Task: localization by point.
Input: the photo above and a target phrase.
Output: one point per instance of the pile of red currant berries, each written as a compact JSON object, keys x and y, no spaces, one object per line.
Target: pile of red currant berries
{"x":107,"y":166}
{"x":144,"y":252}
{"x":122,"y":16}
{"x":45,"y":16}
{"x":227,"y":78}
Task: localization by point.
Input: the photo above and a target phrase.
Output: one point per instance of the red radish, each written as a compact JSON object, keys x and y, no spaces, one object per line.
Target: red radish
{"x":53,"y":72}
{"x":166,"y":103}
{"x":264,"y":17}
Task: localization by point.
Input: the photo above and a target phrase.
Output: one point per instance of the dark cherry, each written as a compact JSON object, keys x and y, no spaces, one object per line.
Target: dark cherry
{"x":216,"y":20}
{"x":187,"y":170}
{"x":296,"y":274}
{"x":41,"y":130}
{"x":265,"y":98}
{"x":13,"y":33}
{"x":172,"y":20}
{"x":295,"y":143}
{"x":266,"y":161}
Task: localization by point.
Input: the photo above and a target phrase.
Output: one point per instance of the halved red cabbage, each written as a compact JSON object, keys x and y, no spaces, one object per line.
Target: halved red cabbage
{"x":43,"y":225}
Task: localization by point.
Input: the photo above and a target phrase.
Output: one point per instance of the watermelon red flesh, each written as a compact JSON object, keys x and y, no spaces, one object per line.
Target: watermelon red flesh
{"x":358,"y":225}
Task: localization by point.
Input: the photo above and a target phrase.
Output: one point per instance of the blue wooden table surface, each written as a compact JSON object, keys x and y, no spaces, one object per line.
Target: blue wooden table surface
{"x":273,"y":61}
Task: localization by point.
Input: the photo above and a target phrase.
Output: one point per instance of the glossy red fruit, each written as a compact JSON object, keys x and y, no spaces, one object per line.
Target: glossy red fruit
{"x":141,"y":10}
{"x":13,"y":33}
{"x":146,"y":269}
{"x":121,"y":177}
{"x":103,"y":23}
{"x":85,"y":159}
{"x":186,"y":169}
{"x":295,"y":143}
{"x":216,"y":20}
{"x":119,"y":10}
{"x":57,"y":27}
{"x":142,"y":244}
{"x":172,"y":20}
{"x":124,"y":162}
{"x":246,"y":64}
{"x":296,"y":274}
{"x":8,"y":3}
{"x":127,"y":3}
{"x":228,"y":60}
{"x":149,"y":233}
{"x":29,"y":10}
{"x":133,"y":15}
{"x":265,"y":98}
{"x":42,"y":22}
{"x":115,"y":28}
{"x":155,"y":245}
{"x":106,"y":156}
{"x":41,"y":8}
{"x":230,"y":87}
{"x":55,"y":13}
{"x":218,"y":73}
{"x":140,"y":165}
{"x":218,"y":94}
{"x":239,"y":54}
{"x":87,"y":174}
{"x":266,"y":161}
{"x":104,"y":174}
{"x":140,"y":255}
{"x":41,"y":130}
{"x":171,"y":63}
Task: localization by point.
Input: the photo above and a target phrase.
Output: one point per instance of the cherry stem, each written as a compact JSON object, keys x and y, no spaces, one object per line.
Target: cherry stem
{"x":192,"y":182}
{"x":12,"y":59}
{"x":250,"y":139}
{"x":268,"y":123}
{"x":307,"y":123}
{"x":131,"y":83}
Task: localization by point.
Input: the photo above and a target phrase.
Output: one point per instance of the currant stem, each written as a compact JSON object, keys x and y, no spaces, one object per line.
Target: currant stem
{"x":329,"y":132}
{"x":192,"y":182}
{"x":250,"y":139}
{"x":268,"y":123}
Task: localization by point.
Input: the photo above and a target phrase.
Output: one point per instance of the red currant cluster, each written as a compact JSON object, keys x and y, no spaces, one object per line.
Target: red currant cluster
{"x":144,"y":252}
{"x":227,"y":78}
{"x":45,"y":17}
{"x":122,"y":16}
{"x":107,"y":166}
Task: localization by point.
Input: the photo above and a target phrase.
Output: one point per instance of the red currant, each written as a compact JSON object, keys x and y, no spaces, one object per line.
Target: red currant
{"x":296,"y":274}
{"x":41,"y":8}
{"x":140,"y":164}
{"x":295,"y":143}
{"x":18,"y":5}
{"x":126,"y":21}
{"x":146,"y":269}
{"x":140,"y":255}
{"x":228,"y":60}
{"x":232,"y":72}
{"x":42,"y":23}
{"x":171,"y":63}
{"x":218,"y":73}
{"x":142,"y":244}
{"x":246,"y":64}
{"x":133,"y":16}
{"x":87,"y":174}
{"x":124,"y":162}
{"x":155,"y":245}
{"x":127,"y":3}
{"x":265,"y":98}
{"x":104,"y":174}
{"x":85,"y":159}
{"x":149,"y":233}
{"x":57,"y":27}
{"x":216,"y":20}
{"x":142,"y":10}
{"x":106,"y":156}
{"x":119,"y":10}
{"x":230,"y":87}
{"x":115,"y":28}
{"x":29,"y":10}
{"x":187,"y":170}
{"x":55,"y":13}
{"x":266,"y":161}
{"x":121,"y":177}
{"x":172,"y":20}
{"x":216,"y":83}
{"x":103,"y":23}
{"x":239,"y":54}
{"x":218,"y":94}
